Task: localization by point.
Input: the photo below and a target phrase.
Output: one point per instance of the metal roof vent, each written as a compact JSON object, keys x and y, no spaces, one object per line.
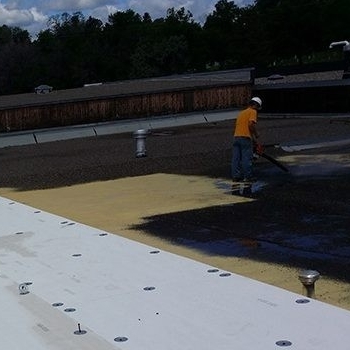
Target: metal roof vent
{"x":275,"y":77}
{"x":346,"y":49}
{"x":43,"y":89}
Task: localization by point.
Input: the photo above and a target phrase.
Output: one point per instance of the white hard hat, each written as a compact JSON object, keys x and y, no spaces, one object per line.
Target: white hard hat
{"x":257,"y":100}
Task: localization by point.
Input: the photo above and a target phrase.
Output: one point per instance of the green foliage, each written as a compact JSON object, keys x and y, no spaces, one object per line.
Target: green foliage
{"x":160,"y":58}
{"x":221,"y":29}
{"x":336,"y":19}
{"x":13,"y":35}
{"x":73,"y":50}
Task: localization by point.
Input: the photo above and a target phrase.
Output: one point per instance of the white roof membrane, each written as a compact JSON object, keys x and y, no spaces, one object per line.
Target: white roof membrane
{"x":65,"y":285}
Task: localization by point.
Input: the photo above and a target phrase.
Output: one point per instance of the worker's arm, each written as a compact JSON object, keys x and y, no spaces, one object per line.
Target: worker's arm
{"x":253,"y":130}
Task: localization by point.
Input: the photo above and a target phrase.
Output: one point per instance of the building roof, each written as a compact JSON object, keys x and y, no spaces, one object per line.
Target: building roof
{"x":126,"y":87}
{"x":67,"y":285}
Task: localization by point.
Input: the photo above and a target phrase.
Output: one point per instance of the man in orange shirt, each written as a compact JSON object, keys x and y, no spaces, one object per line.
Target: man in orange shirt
{"x":245,"y":134}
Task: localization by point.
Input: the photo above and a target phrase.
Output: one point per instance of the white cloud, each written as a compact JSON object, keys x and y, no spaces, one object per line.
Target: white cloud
{"x":103,"y":12}
{"x":29,"y":19}
{"x":15,"y":17}
{"x":73,"y":5}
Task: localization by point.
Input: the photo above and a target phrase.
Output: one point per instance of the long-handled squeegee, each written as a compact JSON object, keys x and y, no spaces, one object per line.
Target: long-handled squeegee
{"x":259,"y":150}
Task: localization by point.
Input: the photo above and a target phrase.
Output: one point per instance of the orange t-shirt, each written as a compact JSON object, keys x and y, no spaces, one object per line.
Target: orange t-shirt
{"x":242,"y":122}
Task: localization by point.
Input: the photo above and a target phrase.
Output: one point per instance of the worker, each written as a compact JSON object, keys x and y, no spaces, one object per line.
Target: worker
{"x":244,"y":137}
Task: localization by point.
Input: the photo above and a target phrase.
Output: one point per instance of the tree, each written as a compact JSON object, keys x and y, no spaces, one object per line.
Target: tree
{"x":294,"y":27}
{"x":14,"y":35}
{"x":122,"y":34}
{"x":221,"y":33}
{"x":74,"y":50}
{"x":252,"y":41}
{"x":169,"y":45}
{"x":336,"y":14}
{"x":16,"y":60}
{"x":179,"y":23}
{"x":164,"y":57}
{"x":70,"y":50}
{"x":178,"y":16}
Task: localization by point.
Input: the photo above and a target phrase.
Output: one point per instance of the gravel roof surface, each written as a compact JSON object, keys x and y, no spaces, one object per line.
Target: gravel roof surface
{"x":297,"y":78}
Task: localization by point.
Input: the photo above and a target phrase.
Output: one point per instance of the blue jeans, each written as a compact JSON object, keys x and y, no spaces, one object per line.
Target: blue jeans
{"x":242,"y":158}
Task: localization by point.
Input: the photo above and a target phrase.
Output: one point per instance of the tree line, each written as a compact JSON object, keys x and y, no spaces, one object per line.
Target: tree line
{"x":75,"y":50}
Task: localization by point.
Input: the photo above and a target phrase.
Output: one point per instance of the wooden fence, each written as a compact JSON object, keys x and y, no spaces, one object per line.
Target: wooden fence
{"x":77,"y":111}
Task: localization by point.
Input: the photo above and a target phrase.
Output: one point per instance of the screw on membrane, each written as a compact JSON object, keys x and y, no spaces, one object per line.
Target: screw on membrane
{"x":120,"y":339}
{"x":57,"y":304}
{"x":69,"y":309}
{"x":283,"y":343}
{"x":67,"y":223}
{"x":80,"y":331}
{"x":302,"y":301}
{"x":149,"y":288}
{"x":213,"y":270}
{"x":225,"y":274}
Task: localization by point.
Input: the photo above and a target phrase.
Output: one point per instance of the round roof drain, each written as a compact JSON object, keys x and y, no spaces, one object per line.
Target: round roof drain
{"x":23,"y":289}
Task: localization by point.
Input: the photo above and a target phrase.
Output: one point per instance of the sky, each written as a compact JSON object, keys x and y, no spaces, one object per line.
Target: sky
{"x":32,"y":15}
